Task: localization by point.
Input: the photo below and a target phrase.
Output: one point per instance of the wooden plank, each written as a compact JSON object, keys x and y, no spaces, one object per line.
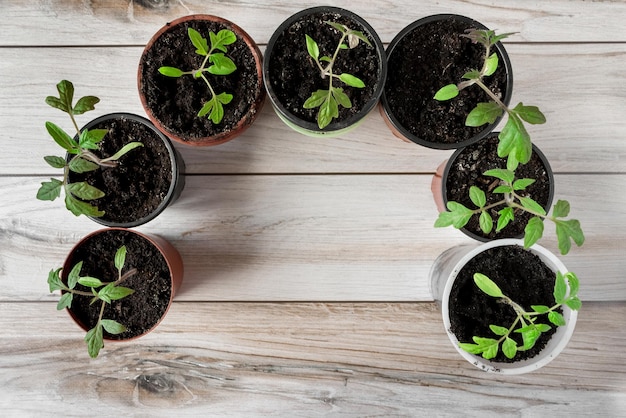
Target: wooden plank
{"x":133,"y":22}
{"x":305,"y":238}
{"x":584,"y":132}
{"x":298,"y":359}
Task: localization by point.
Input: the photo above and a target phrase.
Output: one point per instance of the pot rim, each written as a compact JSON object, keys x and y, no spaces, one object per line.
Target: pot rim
{"x":168,"y":251}
{"x":454,"y":156}
{"x":176,"y":163}
{"x":245,"y":121}
{"x":335,"y":128}
{"x":554,"y":346}
{"x":392,"y":121}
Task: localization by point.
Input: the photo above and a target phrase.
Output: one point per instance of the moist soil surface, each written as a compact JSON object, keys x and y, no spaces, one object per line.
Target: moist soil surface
{"x":467,"y":170}
{"x":175,"y":102}
{"x":294,"y":75}
{"x":143,"y":309}
{"x":429,"y":57}
{"x":141,"y":180}
{"x":521,"y":275}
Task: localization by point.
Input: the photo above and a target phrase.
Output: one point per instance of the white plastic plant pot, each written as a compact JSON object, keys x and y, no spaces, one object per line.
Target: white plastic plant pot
{"x":444,"y":273}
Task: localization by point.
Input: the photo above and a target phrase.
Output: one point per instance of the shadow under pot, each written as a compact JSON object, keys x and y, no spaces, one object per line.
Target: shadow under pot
{"x":222,"y":101}
{"x":466,"y":167}
{"x":528,"y":278}
{"x":311,"y":93}
{"x":151,"y":267}
{"x":143,"y":182}
{"x":427,"y":55}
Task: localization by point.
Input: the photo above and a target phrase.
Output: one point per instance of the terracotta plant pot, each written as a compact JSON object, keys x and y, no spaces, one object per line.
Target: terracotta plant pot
{"x":146,"y":180}
{"x":159,"y":276}
{"x":172,"y":104}
{"x":465,"y":168}
{"x":291,"y":75}
{"x":425,"y":56}
{"x":457,"y":263}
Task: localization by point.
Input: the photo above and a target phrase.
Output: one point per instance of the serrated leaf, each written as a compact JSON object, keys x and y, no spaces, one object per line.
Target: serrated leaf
{"x":560,"y":288}
{"x":89,"y":139}
{"x":341,"y":97}
{"x":171,"y":71}
{"x":477,"y":196}
{"x":54,"y":280}
{"x":522,"y":184}
{"x":561,"y":209}
{"x":506,"y":176}
{"x":514,"y":139}
{"x":506,"y":216}
{"x":540,"y":308}
{"x":328,"y":111}
{"x":223,"y":38}
{"x":217,"y":112}
{"x":56,"y":103}
{"x":65,"y":301}
{"x":533,"y":231}
{"x":471,"y":348}
{"x":509,"y":348}
{"x":491,"y":351}
{"x":72,"y":278}
{"x":50,"y":190}
{"x":543,"y":327}
{"x":556,"y":318}
{"x":112,"y":327}
{"x":62,"y":138}
{"x":202,"y":47}
{"x":222,"y":65}
{"x":487,"y":285}
{"x":312,"y":47}
{"x":566,"y":230}
{"x":123,"y":151}
{"x":316,"y":99}
{"x":78,"y":207}
{"x":84,"y":191}
{"x":120,"y":258}
{"x":491,"y":65}
{"x":94,"y":340}
{"x":532,"y":205}
{"x":485,"y":222}
{"x":54,"y":161}
{"x":81,"y":165}
{"x":66,"y":95}
{"x":498,"y":330}
{"x":90,"y":281}
{"x":206,"y":108}
{"x":530,"y":114}
{"x":483,"y":113}
{"x":447,"y":92}
{"x":574,"y":303}
{"x":574,"y":283}
{"x":224,"y":98}
{"x":458,"y":216}
{"x":529,"y":337}
{"x":352,"y":81}
{"x":85,"y":104}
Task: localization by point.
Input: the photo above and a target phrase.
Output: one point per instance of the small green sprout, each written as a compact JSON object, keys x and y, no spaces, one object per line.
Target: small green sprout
{"x":103,"y":291}
{"x":328,"y":100}
{"x":458,"y":215}
{"x":220,"y":65}
{"x":528,"y":327}
{"x":83,"y":160}
{"x":515,"y":141}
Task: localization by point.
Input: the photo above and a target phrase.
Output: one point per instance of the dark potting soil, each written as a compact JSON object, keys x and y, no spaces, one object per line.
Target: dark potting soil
{"x":143,"y":309}
{"x":467,"y":170}
{"x":521,"y":275}
{"x":431,"y":56}
{"x":142,"y":178}
{"x":175,"y":102}
{"x":294,"y":75}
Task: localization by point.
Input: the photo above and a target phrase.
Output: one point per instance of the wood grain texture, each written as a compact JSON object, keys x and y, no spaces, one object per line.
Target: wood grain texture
{"x":299,"y":360}
{"x":306,"y":238}
{"x":584,"y":132}
{"x":133,"y":22}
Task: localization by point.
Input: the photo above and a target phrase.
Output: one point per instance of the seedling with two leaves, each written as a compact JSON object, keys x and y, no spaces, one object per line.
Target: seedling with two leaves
{"x":220,"y":64}
{"x":459,"y":215}
{"x":525,"y":322}
{"x":515,"y":143}
{"x":83,"y":159}
{"x":105,"y":292}
{"x":329,"y":100}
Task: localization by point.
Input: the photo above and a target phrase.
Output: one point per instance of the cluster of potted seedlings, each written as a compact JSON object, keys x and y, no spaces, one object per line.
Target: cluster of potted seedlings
{"x":444,"y":82}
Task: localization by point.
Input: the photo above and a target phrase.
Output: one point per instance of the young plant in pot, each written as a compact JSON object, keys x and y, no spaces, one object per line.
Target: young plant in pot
{"x":324,"y":70}
{"x":119,"y":170}
{"x":200,"y":80}
{"x":506,"y":309}
{"x":488,"y":201}
{"x":433,"y":52}
{"x":117,"y":284}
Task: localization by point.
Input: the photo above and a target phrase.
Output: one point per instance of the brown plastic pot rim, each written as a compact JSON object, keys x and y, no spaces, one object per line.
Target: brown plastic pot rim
{"x":245,"y":122}
{"x":168,"y":251}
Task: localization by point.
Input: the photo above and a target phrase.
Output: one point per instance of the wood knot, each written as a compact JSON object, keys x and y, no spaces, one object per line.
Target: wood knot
{"x":155,"y":383}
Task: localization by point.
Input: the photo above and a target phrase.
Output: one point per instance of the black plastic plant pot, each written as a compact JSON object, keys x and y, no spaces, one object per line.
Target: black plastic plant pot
{"x":145,"y":180}
{"x":291,"y":75}
{"x":465,"y":168}
{"x":426,"y":55}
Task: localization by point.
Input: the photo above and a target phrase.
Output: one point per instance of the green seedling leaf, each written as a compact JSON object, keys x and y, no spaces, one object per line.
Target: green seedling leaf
{"x":486,"y":222}
{"x":506,"y":216}
{"x":503,"y":189}
{"x":533,"y":231}
{"x":62,"y":138}
{"x":316,"y":99}
{"x":78,"y":207}
{"x":90,"y":281}
{"x":66,"y":96}
{"x":111,"y":292}
{"x":514,"y":142}
{"x":202,"y":47}
{"x":506,"y":176}
{"x":222,"y":65}
{"x":489,"y":347}
{"x":89,"y":139}
{"x":50,"y":190}
{"x":171,"y":72}
{"x":531,"y":205}
{"x":112,"y":327}
{"x":224,"y":98}
{"x":574,"y":303}
{"x":94,"y":340}
{"x":509,"y":347}
{"x":208,"y":107}
{"x":361,"y":36}
{"x":566,"y":231}
{"x":328,"y":110}
{"x":312,"y":47}
{"x":447,"y":92}
{"x":120,"y":258}
{"x":472,"y":75}
{"x":574,"y":283}
{"x":217,"y":112}
{"x":341,"y":97}
{"x":540,"y":308}
{"x":471,"y":348}
{"x":84,"y":191}
{"x":85,"y":104}
{"x":483,"y":113}
{"x":351,"y":80}
{"x":54,"y":161}
{"x":457,"y":216}
{"x":54,"y":280}
{"x":491,"y":65}
{"x":498,"y":330}
{"x":223,"y":38}
{"x":560,"y":288}
{"x":522,"y":184}
{"x":530,"y":114}
{"x":561,"y":209}
{"x":556,"y":318}
{"x":341,"y":28}
{"x":477,"y":196}
{"x":80,"y":165}
{"x":529,"y":337}
{"x":123,"y":151}
{"x":72,"y":278}
{"x":65,"y":301}
{"x":485,"y":284}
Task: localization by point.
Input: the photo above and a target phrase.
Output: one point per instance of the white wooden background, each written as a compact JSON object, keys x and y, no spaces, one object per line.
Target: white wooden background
{"x":306,"y":289}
